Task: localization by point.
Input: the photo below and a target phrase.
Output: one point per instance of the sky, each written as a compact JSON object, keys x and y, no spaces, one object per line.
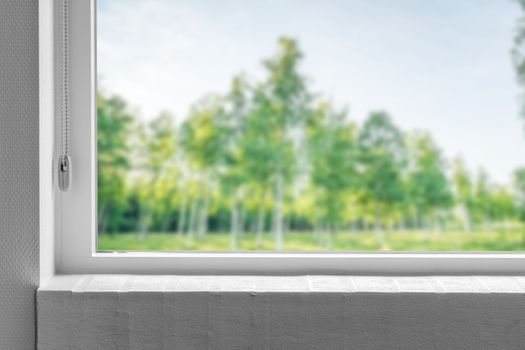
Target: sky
{"x":443,"y":66}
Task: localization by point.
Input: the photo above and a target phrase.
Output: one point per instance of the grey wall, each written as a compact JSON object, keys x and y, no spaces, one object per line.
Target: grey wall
{"x":18,"y":172}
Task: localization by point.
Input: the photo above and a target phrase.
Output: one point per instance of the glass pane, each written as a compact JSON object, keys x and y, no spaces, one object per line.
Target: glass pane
{"x":310,"y":125}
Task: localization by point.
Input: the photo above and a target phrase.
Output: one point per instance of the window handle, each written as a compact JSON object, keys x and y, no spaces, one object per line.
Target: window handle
{"x":64,"y":173}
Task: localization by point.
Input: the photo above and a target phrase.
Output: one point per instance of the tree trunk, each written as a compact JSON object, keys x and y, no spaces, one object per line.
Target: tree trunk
{"x":317,"y":226}
{"x":437,"y":225}
{"x":234,"y":225}
{"x":192,"y":222}
{"x":103,"y":217}
{"x":487,"y":222}
{"x":286,"y":226}
{"x":203,"y":219}
{"x":467,"y":225}
{"x":164,"y":227}
{"x":143,"y":222}
{"x":182,"y":214}
{"x":260,"y":224}
{"x":426,"y":227}
{"x":278,"y":211}
{"x":241,"y":224}
{"x":330,"y":237}
{"x":168,"y":215}
{"x":378,"y":229}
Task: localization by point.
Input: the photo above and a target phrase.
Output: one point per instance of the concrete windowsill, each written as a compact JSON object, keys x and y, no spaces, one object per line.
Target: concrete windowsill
{"x":286,"y":284}
{"x":278,"y":312}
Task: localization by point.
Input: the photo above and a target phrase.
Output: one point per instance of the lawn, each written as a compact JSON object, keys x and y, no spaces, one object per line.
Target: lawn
{"x":478,"y":240}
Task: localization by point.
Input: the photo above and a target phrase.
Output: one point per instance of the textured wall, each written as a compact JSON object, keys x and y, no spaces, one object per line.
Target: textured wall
{"x":18,"y":172}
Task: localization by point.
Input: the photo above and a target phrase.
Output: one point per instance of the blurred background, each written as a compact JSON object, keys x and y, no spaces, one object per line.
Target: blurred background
{"x":310,"y":125}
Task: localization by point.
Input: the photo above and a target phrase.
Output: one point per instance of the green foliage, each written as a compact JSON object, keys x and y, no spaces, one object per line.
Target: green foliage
{"x":273,"y":146}
{"x":281,"y":105}
{"x":333,"y":156}
{"x":519,"y":190}
{"x":114,"y":127}
{"x":518,"y":50}
{"x":382,"y":157}
{"x":428,"y":186}
{"x":205,"y":134}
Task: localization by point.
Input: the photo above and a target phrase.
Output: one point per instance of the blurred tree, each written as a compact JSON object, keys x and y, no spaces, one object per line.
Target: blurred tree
{"x":428,"y":188}
{"x":382,"y":155}
{"x":282,"y":104}
{"x":235,"y":174}
{"x":205,"y":139}
{"x":519,"y":192}
{"x":157,"y":156}
{"x":333,"y":157}
{"x":503,"y":207}
{"x":263,"y":146}
{"x":482,"y":201}
{"x":518,"y":50}
{"x":114,"y":127}
{"x":463,"y":191}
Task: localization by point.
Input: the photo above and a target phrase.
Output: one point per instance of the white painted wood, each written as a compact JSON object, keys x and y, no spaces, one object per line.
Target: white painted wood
{"x":46,"y":138}
{"x":75,"y":210}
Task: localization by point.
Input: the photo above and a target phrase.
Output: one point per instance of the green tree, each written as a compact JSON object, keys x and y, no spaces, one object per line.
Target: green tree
{"x":157,"y":156}
{"x":519,"y":192}
{"x":282,"y":103}
{"x":205,"y":139}
{"x":333,"y":156}
{"x":428,"y":187}
{"x":115,"y":124}
{"x":463,"y":190}
{"x":382,"y":156}
{"x":235,"y":175}
{"x":503,"y":206}
{"x":482,"y":201}
{"x":518,"y":50}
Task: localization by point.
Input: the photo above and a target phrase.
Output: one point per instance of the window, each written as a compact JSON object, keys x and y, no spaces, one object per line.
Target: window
{"x":312,"y":136}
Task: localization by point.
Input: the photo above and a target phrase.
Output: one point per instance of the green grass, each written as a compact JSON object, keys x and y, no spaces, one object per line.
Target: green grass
{"x":479,"y":240}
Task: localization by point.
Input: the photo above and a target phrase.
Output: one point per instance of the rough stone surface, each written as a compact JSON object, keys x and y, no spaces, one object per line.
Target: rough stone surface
{"x":303,"y":312}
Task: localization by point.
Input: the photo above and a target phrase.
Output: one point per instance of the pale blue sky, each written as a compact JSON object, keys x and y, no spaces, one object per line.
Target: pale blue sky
{"x":443,"y":65}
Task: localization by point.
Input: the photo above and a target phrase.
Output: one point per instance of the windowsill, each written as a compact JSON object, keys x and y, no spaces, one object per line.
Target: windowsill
{"x":285,"y":284}
{"x":283,"y":312}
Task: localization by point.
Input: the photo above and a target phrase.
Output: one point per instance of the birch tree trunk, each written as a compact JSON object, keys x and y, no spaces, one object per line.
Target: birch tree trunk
{"x":378,"y":229}
{"x":437,"y":225}
{"x":234,"y":225}
{"x":143,"y":222}
{"x":182,"y":214}
{"x":260,"y":224}
{"x":241,"y":223}
{"x":330,"y":237}
{"x":278,"y":211}
{"x":467,"y":225}
{"x":192,"y":222}
{"x":203,"y":219}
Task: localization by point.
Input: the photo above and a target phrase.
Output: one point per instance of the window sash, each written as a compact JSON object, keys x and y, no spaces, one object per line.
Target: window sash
{"x":75,"y":210}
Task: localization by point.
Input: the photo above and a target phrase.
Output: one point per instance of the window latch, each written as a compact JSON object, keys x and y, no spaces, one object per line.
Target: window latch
{"x":64,"y":172}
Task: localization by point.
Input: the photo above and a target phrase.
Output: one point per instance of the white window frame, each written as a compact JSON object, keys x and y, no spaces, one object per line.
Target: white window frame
{"x":74,"y":218}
